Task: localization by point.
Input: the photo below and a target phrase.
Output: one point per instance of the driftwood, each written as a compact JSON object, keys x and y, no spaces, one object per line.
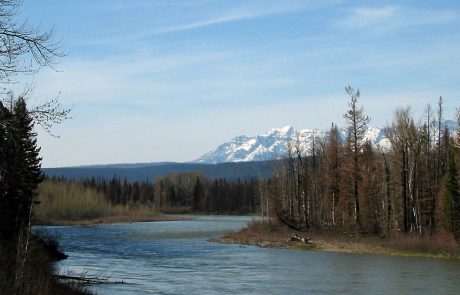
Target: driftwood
{"x":87,"y":280}
{"x":296,"y":238}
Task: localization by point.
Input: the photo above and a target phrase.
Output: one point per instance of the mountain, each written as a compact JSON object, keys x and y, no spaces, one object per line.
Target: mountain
{"x":243,"y":157}
{"x":272,"y":144}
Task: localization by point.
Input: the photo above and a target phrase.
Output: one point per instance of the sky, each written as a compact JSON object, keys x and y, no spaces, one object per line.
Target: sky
{"x":169,"y":80}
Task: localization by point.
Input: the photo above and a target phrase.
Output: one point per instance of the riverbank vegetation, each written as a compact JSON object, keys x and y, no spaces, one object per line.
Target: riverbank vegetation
{"x":70,"y":202}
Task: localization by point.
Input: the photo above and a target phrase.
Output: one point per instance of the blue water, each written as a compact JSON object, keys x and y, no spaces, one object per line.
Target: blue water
{"x":175,"y":257}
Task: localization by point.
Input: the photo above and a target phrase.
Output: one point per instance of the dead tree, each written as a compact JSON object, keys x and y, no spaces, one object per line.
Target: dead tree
{"x":357,"y":123}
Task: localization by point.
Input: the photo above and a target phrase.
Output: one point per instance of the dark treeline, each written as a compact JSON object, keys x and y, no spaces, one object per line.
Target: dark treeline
{"x":141,"y":172}
{"x":19,"y":177}
{"x":409,"y":186}
{"x":182,"y":192}
{"x":26,"y":260}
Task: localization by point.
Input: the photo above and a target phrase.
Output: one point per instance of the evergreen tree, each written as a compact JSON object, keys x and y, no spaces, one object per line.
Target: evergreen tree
{"x":452,"y":198}
{"x":26,"y":162}
{"x":198,"y":195}
{"x":5,"y":213}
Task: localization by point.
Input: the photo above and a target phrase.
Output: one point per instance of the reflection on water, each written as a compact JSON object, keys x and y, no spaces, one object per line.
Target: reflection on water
{"x":175,"y":257}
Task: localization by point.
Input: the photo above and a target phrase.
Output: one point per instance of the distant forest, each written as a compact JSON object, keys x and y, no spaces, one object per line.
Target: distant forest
{"x":148,"y":172}
{"x":177,"y":193}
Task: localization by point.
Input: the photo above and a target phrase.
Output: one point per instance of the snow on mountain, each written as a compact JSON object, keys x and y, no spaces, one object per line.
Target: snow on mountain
{"x":272,"y":144}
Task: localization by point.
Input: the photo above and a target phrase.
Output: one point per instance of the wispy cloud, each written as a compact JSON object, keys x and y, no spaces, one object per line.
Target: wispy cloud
{"x":242,"y":13}
{"x":204,"y":14}
{"x":392,"y":17}
{"x":160,"y":82}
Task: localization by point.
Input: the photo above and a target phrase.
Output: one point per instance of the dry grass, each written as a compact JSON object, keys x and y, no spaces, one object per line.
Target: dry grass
{"x":269,"y":234}
{"x":441,"y":244}
{"x":274,"y":234}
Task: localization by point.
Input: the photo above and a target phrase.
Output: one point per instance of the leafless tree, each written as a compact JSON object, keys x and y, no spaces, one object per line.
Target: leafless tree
{"x":24,"y":49}
{"x":357,"y":123}
{"x":457,"y":142}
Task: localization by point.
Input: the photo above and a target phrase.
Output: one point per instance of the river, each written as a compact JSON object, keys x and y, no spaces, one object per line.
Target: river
{"x":175,"y":257}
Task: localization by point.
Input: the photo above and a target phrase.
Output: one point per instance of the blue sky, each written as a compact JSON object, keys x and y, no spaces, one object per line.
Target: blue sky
{"x":169,"y":80}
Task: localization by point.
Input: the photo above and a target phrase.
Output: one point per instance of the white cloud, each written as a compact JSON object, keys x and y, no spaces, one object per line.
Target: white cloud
{"x":363,"y":17}
{"x":387,"y":18}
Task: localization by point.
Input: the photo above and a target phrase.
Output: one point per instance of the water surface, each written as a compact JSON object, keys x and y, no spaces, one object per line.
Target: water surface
{"x":175,"y":257}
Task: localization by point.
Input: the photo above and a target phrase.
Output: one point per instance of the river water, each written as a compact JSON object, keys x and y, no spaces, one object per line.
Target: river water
{"x":175,"y":257}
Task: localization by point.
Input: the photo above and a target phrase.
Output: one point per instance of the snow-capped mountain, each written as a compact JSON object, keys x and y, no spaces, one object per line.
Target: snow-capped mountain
{"x":273,"y":144}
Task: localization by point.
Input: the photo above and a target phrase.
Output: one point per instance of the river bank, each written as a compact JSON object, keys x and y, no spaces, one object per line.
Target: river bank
{"x":275,"y":235}
{"x":122,"y":218}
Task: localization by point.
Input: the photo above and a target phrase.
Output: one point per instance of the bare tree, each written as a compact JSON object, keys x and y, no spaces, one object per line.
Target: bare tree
{"x":456,"y":144}
{"x":357,"y":123}
{"x":24,"y":49}
{"x":333,"y":171}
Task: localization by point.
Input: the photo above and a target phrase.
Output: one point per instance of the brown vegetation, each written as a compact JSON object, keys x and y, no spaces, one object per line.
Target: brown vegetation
{"x":69,"y":202}
{"x":36,"y":275}
{"x":277,"y":235}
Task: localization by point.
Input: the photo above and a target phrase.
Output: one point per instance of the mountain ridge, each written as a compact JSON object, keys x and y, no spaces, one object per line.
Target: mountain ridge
{"x":272,"y":144}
